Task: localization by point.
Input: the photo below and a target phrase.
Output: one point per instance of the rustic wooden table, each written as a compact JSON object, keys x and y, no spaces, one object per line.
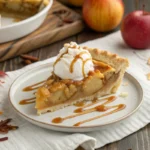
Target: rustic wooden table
{"x":137,"y":141}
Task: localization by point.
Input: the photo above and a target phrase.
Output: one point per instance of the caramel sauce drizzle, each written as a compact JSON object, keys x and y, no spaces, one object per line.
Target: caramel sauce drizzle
{"x":95,"y":101}
{"x":27,"y":101}
{"x":83,"y":62}
{"x":60,"y":57}
{"x":118,"y":108}
{"x":33,"y":87}
{"x":100,"y":108}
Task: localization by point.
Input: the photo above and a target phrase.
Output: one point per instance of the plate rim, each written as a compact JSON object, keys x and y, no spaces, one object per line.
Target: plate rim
{"x":31,"y":120}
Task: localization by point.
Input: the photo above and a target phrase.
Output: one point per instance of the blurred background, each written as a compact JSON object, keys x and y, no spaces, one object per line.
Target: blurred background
{"x":131,"y":5}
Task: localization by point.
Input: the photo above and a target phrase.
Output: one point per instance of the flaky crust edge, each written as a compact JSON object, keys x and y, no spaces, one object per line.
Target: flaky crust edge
{"x":117,"y":62}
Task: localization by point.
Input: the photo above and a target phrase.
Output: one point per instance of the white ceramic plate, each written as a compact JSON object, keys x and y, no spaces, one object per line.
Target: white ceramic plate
{"x":11,"y":30}
{"x":42,"y":72}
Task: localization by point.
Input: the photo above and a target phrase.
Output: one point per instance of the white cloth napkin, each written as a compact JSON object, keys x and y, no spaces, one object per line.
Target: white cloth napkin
{"x":29,"y":137}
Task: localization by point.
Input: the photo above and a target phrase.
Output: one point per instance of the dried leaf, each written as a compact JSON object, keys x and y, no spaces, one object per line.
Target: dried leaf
{"x":62,"y":11}
{"x":5,"y":127}
{"x":5,"y":122}
{"x":27,"y":62}
{"x":2,"y":73}
{"x":29,"y":57}
{"x":3,"y":139}
{"x":68,"y":20}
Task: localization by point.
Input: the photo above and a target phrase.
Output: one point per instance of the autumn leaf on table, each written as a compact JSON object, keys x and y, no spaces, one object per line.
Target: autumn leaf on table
{"x":5,"y":127}
{"x":3,"y":139}
{"x":2,"y":73}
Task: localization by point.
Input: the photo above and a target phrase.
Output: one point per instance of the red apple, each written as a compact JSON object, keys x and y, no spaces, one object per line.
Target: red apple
{"x":135,"y":29}
{"x":103,"y":15}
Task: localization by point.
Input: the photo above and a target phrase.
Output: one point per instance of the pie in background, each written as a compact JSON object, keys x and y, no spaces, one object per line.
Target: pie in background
{"x":24,"y":8}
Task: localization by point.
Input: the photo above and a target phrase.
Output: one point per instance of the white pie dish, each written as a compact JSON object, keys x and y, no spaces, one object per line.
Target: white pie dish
{"x":28,"y":112}
{"x":11,"y":30}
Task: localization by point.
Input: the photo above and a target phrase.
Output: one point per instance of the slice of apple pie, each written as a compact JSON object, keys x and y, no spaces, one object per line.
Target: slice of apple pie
{"x":80,"y":73}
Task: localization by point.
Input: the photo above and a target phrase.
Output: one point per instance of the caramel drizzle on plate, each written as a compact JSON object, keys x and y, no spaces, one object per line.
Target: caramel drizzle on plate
{"x":1,"y":112}
{"x":101,"y":108}
{"x":118,"y":108}
{"x":34,"y":86}
{"x":95,"y":101}
{"x":31,"y":88}
{"x":27,"y":101}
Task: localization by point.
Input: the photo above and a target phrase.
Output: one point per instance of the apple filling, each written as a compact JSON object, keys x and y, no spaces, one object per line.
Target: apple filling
{"x":57,"y":91}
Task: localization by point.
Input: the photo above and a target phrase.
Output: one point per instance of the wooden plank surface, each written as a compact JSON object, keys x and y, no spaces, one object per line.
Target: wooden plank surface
{"x":60,"y":23}
{"x":137,"y":141}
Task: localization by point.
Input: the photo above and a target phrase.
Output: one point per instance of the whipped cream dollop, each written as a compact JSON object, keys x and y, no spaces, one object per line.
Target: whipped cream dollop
{"x":73,"y":62}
